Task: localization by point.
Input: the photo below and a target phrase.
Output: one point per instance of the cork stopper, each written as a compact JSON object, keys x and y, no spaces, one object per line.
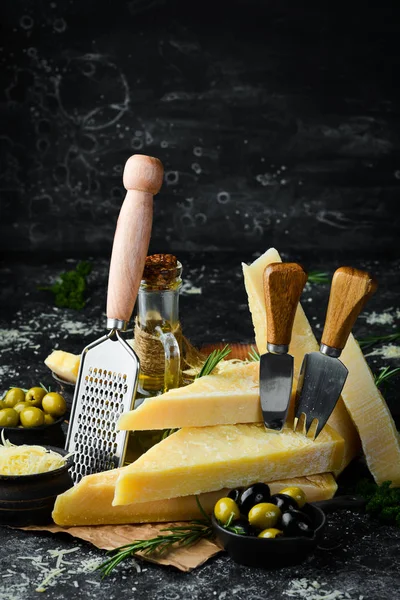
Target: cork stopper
{"x":161,"y":270}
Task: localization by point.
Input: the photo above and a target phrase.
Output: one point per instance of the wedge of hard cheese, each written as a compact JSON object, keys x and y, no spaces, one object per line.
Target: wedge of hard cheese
{"x":90,"y":501}
{"x":64,"y":364}
{"x":303,"y":340}
{"x":203,"y":459}
{"x":372,"y":417}
{"x":229,"y":397}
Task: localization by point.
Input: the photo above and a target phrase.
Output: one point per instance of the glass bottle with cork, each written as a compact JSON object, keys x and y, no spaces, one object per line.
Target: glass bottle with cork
{"x":157,"y":335}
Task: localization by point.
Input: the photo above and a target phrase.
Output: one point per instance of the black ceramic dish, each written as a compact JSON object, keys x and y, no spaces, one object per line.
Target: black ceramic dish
{"x":283,"y":551}
{"x":29,"y":499}
{"x":51,"y":435}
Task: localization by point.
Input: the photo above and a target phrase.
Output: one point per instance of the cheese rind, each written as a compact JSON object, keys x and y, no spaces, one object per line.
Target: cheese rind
{"x":303,"y":341}
{"x":203,"y":459}
{"x":371,"y":415}
{"x":229,"y":397}
{"x":90,"y":501}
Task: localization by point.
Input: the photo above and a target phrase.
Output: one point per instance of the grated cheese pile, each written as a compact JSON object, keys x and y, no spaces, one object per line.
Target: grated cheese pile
{"x":27,"y":460}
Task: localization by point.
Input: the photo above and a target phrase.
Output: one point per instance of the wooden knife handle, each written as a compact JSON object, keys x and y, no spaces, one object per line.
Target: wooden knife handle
{"x":350,"y":290}
{"x":142,"y":178}
{"x":283,"y":284}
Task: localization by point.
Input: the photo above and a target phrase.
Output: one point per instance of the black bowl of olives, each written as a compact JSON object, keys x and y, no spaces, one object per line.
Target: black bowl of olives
{"x":33,"y":416}
{"x":262,"y":530}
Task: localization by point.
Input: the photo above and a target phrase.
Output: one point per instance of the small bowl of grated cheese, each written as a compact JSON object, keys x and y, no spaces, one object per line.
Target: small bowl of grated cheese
{"x":31,"y":477}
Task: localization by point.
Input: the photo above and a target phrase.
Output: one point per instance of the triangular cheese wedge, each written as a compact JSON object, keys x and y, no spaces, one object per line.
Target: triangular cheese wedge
{"x":203,"y":459}
{"x":90,"y":501}
{"x":303,"y":341}
{"x":371,"y":415}
{"x":229,"y":397}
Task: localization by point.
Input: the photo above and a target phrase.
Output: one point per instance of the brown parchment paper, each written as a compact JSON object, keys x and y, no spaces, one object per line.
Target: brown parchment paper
{"x":109,"y":537}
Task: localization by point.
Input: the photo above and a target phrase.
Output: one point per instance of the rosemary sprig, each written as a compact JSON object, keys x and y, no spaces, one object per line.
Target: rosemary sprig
{"x":367,"y":342}
{"x":160,"y":545}
{"x":385,"y":374}
{"x":318,"y":277}
{"x":212,"y":360}
{"x":253,"y":355}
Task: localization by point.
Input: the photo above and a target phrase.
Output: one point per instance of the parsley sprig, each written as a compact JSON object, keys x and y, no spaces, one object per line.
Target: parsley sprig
{"x":383,"y":502}
{"x":69,"y":290}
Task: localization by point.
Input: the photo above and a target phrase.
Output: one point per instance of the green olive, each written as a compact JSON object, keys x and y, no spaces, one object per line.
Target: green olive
{"x":34,"y":396}
{"x":20,"y":406}
{"x":8,"y":417}
{"x":13,"y":396}
{"x":296,"y":493}
{"x":224,"y":508}
{"x":31,"y":417}
{"x":48,"y":419}
{"x":264,"y":515}
{"x":54,"y":404}
{"x":270,"y":533}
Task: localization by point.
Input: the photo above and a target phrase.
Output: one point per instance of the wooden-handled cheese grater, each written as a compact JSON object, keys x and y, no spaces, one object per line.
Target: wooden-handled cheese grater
{"x":108,"y":372}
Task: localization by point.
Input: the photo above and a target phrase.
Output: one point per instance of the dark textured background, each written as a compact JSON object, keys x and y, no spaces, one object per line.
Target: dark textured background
{"x":277,"y":124}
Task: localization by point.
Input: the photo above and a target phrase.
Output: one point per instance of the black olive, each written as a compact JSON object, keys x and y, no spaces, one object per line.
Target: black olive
{"x":242,"y":527}
{"x":235,"y":494}
{"x":255,"y":494}
{"x":295,"y":522}
{"x":284,"y":502}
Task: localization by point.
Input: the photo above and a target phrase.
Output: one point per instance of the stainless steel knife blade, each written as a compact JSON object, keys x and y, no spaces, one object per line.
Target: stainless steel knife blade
{"x":276,"y":381}
{"x":283,"y":284}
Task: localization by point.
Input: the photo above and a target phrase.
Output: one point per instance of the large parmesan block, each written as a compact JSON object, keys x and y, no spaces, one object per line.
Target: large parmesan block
{"x":229,"y":397}
{"x":303,"y":341}
{"x":90,"y":501}
{"x":204,"y":459}
{"x":371,"y":415}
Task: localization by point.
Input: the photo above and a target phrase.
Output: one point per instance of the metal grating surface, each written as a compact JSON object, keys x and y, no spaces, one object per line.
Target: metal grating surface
{"x":95,"y":439}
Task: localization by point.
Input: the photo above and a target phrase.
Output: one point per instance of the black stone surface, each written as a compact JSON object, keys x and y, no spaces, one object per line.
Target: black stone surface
{"x":359,"y":557}
{"x":274,"y":120}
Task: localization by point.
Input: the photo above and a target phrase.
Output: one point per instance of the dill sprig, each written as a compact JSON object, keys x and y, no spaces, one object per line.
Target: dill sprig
{"x":318,"y":277}
{"x":369,"y":341}
{"x":385,"y":374}
{"x":181,"y":536}
{"x":253,"y":355}
{"x":212,"y":360}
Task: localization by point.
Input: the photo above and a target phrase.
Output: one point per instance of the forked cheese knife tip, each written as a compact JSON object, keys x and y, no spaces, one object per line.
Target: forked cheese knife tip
{"x":323,"y":375}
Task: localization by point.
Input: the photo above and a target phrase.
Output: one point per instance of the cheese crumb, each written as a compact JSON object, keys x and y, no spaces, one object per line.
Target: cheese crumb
{"x":388,"y":351}
{"x":380,"y":318}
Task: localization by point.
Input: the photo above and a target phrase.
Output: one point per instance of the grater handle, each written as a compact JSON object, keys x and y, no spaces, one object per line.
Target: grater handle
{"x":143,"y":177}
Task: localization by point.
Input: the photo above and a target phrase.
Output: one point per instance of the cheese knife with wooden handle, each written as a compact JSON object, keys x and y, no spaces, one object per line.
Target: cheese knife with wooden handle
{"x":322,"y":374}
{"x":283,"y":284}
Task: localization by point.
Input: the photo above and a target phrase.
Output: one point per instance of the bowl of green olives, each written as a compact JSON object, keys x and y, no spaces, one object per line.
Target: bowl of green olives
{"x":33,"y":416}
{"x":262,"y":530}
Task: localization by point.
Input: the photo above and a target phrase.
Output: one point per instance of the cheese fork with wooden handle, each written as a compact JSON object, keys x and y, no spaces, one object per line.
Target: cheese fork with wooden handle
{"x":283,"y":284}
{"x":108,"y":372}
{"x":322,"y":374}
